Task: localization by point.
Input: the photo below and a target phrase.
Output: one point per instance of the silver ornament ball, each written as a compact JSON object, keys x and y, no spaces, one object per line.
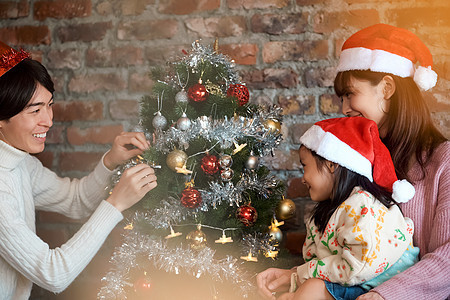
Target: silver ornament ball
{"x":225,"y":161}
{"x":252,"y":162}
{"x":226,"y":174}
{"x":181,"y":97}
{"x":184,"y":123}
{"x":159,"y":121}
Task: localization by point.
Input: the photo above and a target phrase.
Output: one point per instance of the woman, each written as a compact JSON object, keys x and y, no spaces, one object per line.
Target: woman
{"x":26,"y":99}
{"x":377,"y":80}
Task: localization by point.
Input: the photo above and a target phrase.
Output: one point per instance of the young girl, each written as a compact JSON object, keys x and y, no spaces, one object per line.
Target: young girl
{"x":356,"y":231}
{"x":26,"y":99}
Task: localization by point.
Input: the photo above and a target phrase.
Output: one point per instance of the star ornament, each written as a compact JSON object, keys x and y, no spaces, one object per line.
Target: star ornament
{"x":238,"y":147}
{"x":173,"y":234}
{"x":224,"y":239}
{"x":183,"y":170}
{"x":249,"y":257}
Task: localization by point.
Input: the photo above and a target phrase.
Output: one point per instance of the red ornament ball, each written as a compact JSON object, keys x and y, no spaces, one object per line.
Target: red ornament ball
{"x":143,"y":286}
{"x":191,"y":198}
{"x":240,"y":92}
{"x":210,"y":164}
{"x":247,"y":214}
{"x":198,"y":92}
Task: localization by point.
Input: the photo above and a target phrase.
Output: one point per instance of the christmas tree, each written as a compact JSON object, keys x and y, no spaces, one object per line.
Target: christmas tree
{"x":216,"y":205}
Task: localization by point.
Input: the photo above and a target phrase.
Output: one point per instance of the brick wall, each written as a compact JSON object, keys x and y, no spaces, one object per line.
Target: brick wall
{"x":99,"y":53}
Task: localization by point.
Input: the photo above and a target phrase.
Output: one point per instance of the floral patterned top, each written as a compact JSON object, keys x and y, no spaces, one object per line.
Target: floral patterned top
{"x":362,"y":239}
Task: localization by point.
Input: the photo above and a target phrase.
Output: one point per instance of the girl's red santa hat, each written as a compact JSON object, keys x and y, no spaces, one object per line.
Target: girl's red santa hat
{"x":355,"y":143}
{"x":389,"y":49}
{"x":10,"y":57}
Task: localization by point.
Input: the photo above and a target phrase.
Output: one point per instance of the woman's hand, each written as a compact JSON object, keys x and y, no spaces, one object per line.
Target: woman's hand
{"x":125,"y":146}
{"x":273,"y":280}
{"x":134,"y":183}
{"x":370,"y":296}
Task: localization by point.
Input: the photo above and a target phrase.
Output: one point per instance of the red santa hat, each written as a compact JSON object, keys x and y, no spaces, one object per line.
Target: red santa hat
{"x":388,"y":49}
{"x":355,"y":143}
{"x":10,"y":57}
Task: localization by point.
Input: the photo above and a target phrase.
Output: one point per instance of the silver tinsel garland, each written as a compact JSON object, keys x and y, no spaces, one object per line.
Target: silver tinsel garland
{"x":177,"y":261}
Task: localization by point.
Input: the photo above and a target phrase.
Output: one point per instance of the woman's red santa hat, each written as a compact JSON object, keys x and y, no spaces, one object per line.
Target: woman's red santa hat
{"x":355,"y":143}
{"x":389,"y":49}
{"x":10,"y":57}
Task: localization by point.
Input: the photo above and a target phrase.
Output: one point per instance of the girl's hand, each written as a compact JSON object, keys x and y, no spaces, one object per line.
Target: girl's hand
{"x":134,"y":183}
{"x":273,"y":280}
{"x":125,"y":146}
{"x":370,"y":296}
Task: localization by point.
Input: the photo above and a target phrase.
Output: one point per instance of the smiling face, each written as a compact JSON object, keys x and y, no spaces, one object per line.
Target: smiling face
{"x":28,"y":129}
{"x":318,"y":179}
{"x":361,"y":98}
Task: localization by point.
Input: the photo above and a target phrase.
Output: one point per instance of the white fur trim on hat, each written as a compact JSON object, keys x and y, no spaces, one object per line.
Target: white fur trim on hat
{"x":402,"y":191}
{"x":360,"y":58}
{"x":333,"y":149}
{"x":425,"y":78}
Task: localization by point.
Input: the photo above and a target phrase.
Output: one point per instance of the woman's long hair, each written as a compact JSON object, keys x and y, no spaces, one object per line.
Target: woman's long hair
{"x":410,"y":129}
{"x":345,"y":181}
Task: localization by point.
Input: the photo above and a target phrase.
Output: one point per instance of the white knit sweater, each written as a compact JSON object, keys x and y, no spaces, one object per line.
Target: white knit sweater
{"x":26,"y":185}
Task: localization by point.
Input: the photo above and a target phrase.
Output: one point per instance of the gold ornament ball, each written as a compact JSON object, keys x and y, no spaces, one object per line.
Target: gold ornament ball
{"x":285,"y":209}
{"x":176,"y":158}
{"x":196,"y":239}
{"x":272,"y":125}
{"x":276,"y":234}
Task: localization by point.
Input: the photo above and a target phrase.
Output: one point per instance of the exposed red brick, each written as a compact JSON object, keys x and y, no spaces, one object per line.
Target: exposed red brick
{"x":327,"y":22}
{"x":105,"y":8}
{"x":278,"y":24}
{"x":83,"y":32}
{"x":67,"y":58}
{"x":284,"y":160}
{"x":252,"y":4}
{"x":430,"y":16}
{"x":134,"y":7}
{"x":159,"y":55}
{"x":322,"y":77}
{"x":147,"y":30}
{"x":297,"y":130}
{"x":93,"y":135}
{"x":46,"y":158}
{"x":217,"y":26}
{"x":116,"y":57}
{"x":55,"y":135}
{"x":242,"y":54}
{"x":296,"y":188}
{"x":330,"y":104}
{"x":62,"y":9}
{"x":186,"y":7}
{"x":79,"y":161}
{"x":97,"y":82}
{"x":140,"y":82}
{"x":25,"y":35}
{"x":124,"y":109}
{"x":294,"y":51}
{"x":270,"y":78}
{"x":13,"y":9}
{"x":297,"y":105}
{"x":310,"y":2}
{"x":64,"y":111}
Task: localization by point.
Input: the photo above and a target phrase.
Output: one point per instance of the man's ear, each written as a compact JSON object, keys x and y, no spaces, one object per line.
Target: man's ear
{"x":389,"y":87}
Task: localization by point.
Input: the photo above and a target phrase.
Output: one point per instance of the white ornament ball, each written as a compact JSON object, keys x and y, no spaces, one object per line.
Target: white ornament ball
{"x":252,"y":162}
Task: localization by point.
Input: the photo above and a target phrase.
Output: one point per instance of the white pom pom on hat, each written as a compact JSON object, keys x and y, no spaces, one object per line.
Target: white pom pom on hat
{"x":389,"y":49}
{"x":355,"y":143}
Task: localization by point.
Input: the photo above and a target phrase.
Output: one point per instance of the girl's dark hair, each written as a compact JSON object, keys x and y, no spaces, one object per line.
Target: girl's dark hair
{"x":345,"y":181}
{"x":410,"y":129}
{"x":18,"y":85}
